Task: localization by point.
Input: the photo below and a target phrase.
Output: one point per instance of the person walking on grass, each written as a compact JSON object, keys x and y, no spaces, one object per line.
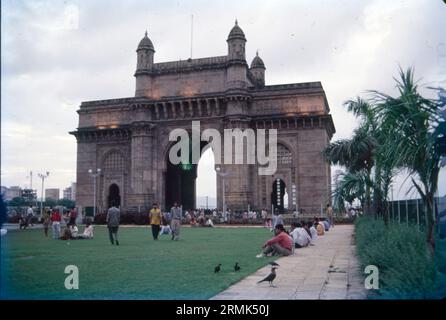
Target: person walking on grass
{"x":46,"y":221}
{"x":155,"y":220}
{"x":30,"y":216}
{"x":176,"y":215}
{"x":113,"y":216}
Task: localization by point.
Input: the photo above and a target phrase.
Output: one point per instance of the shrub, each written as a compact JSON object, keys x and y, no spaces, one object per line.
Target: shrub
{"x":100,"y":218}
{"x":406,"y":267}
{"x":14,"y":219}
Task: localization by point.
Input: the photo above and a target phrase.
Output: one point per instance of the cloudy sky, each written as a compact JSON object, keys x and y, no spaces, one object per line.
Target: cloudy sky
{"x":56,"y":54}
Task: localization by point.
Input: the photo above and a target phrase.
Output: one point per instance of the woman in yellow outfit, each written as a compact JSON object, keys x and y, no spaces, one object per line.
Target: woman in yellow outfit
{"x":155,"y":220}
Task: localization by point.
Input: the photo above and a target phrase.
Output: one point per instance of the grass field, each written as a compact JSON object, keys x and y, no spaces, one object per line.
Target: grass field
{"x":32,"y":266}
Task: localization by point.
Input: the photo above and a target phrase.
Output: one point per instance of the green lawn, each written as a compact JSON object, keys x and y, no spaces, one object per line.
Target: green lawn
{"x":32,"y":266}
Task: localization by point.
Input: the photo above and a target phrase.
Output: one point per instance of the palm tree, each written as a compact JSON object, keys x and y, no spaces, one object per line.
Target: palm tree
{"x":350,"y":186}
{"x":356,"y":154}
{"x":412,"y":127}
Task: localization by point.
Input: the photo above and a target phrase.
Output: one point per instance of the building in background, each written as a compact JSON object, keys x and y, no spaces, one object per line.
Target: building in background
{"x":73,"y":191}
{"x":29,"y":195}
{"x":3,"y":191}
{"x":11,"y":192}
{"x":52,"y":194}
{"x":69,"y":193}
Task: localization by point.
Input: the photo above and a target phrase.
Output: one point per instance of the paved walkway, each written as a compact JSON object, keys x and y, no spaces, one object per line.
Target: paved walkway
{"x":328,"y":270}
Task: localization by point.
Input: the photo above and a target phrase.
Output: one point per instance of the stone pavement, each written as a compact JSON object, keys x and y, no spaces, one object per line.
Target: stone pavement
{"x":328,"y":270}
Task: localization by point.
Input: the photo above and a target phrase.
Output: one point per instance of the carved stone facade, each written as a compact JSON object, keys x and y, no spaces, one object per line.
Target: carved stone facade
{"x":128,"y":138}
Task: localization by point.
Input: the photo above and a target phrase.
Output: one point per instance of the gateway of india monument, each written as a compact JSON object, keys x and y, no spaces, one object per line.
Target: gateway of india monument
{"x":128,"y":138}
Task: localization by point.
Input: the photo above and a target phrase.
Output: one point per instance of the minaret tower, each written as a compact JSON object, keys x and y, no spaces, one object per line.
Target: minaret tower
{"x":144,"y":65}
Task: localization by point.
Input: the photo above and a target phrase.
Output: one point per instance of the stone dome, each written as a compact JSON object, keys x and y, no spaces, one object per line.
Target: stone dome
{"x":257,"y":62}
{"x":146,"y":43}
{"x":236,"y":33}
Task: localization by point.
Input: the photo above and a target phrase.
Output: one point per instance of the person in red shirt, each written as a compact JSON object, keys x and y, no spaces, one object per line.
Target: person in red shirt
{"x":281,"y":244}
{"x":55,"y":224}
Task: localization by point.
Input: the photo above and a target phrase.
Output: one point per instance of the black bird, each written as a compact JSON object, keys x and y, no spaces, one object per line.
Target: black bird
{"x":217,"y":268}
{"x":270,"y":278}
{"x":236,"y":267}
{"x":274,"y":264}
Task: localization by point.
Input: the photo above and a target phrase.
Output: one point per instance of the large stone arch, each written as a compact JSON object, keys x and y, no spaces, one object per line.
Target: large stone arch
{"x":179,"y":181}
{"x":284,"y":172}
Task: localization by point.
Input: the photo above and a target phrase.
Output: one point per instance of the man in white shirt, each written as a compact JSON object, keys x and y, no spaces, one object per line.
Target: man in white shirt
{"x":88,"y":232}
{"x":300,"y":236}
{"x":30,"y":215}
{"x":74,"y":231}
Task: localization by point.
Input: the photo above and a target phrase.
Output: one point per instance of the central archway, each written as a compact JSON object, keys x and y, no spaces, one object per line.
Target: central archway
{"x":180,"y":183}
{"x":278,"y":195}
{"x":206,"y":182}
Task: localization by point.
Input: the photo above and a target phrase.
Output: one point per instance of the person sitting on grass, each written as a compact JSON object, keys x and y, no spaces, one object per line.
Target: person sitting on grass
{"x":281,"y":244}
{"x":269,"y":224}
{"x":74,"y":230}
{"x":209,"y":223}
{"x":165,"y":229}
{"x":88,"y":232}
{"x":193,"y":222}
{"x":201,"y":221}
{"x":66,"y":234}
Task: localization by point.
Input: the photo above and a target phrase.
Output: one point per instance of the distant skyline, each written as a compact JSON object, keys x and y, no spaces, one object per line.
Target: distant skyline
{"x":56,"y":54}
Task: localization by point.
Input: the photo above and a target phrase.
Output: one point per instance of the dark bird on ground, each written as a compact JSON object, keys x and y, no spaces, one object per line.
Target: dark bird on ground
{"x":236,"y":267}
{"x":274,"y":264}
{"x":270,"y":278}
{"x":217,"y":268}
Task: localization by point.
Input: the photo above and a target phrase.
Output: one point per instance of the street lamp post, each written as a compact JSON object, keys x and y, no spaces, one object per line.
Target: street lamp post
{"x":43,"y":177}
{"x":94,"y":175}
{"x":293,"y":188}
{"x":222,"y":175}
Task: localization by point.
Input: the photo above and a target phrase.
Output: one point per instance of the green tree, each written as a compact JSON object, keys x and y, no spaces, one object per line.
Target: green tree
{"x":50,"y":203}
{"x":17,"y":202}
{"x":66,"y":203}
{"x":356,"y":155}
{"x":414,"y":134}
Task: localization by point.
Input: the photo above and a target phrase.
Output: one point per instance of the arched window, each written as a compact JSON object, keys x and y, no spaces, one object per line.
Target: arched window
{"x":114,"y":162}
{"x":284,"y":156}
